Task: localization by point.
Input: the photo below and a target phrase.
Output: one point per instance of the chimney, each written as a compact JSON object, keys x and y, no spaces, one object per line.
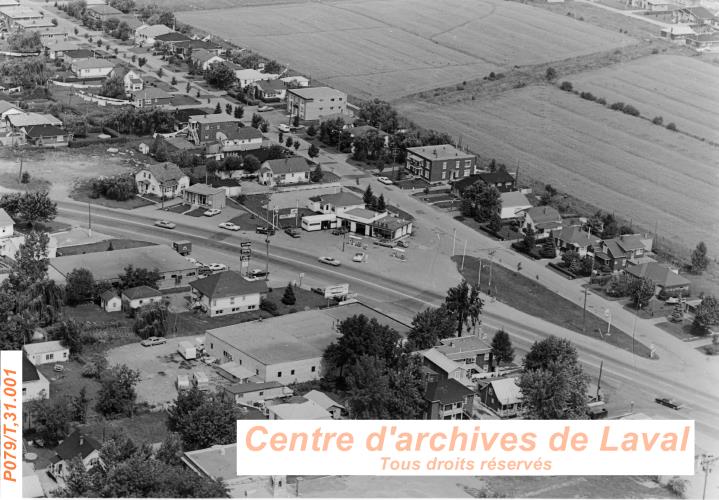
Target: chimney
{"x":82,"y":439}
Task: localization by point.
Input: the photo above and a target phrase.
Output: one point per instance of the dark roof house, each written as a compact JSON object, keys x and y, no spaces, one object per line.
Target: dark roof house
{"x":228,"y":284}
{"x":294,"y":164}
{"x":141,"y":292}
{"x":75,"y":445}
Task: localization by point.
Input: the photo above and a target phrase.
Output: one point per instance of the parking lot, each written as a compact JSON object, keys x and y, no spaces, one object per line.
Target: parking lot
{"x":159,"y":367}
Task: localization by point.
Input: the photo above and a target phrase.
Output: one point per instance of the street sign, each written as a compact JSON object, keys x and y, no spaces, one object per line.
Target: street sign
{"x":246,"y":251}
{"x":245,"y":244}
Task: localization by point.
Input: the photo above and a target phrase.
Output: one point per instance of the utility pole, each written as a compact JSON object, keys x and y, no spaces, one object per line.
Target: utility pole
{"x":464,"y":253}
{"x":599,"y":380}
{"x":479,"y":275}
{"x":586,"y":291}
{"x":89,"y":220}
{"x":454,"y":240}
{"x":267,"y":256}
{"x":707,"y":462}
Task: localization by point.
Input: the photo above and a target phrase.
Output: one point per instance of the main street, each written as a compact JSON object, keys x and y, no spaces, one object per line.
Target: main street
{"x":628,"y":377}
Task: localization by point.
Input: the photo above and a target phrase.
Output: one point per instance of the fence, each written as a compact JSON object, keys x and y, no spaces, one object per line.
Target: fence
{"x":305,"y":187}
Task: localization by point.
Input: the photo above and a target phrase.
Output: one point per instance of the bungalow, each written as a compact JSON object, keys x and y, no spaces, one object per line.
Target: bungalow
{"x":306,"y":410}
{"x":227,"y":293}
{"x":187,"y":48}
{"x":202,"y":195}
{"x":256,"y":392}
{"x":678,"y":33}
{"x":335,"y":203}
{"x":246,"y":77}
{"x":448,"y":400}
{"x":501,"y":179}
{"x":270,"y":90}
{"x":47,"y":136}
{"x":145,"y":35}
{"x":514,"y":204}
{"x":370,"y":133}
{"x":575,"y":239}
{"x":296,"y":81}
{"x":616,"y":253}
{"x":70,"y":56}
{"x":17,"y":121}
{"x":335,"y":409}
{"x":101,"y":12}
{"x":203,"y":58}
{"x":110,"y":301}
{"x":56,"y":49}
{"x":151,"y":96}
{"x":164,"y":180}
{"x":40,"y":353}
{"x":7,"y":109}
{"x":73,"y":446}
{"x":668,"y":282}
{"x":168,"y":41}
{"x":91,"y":67}
{"x":34,"y":386}
{"x":502,"y":396}
{"x":139,"y":296}
{"x":293,"y":170}
{"x":543,"y":220}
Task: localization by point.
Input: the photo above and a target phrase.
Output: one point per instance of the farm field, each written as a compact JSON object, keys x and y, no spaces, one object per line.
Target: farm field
{"x":679,"y":89}
{"x":381,"y":48}
{"x":620,"y":163}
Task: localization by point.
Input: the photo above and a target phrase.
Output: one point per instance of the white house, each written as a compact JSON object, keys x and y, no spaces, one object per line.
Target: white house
{"x":293,"y":170}
{"x":165,"y":179}
{"x":91,"y":67}
{"x":110,"y":301}
{"x":133,"y":82}
{"x":298,"y":81}
{"x":145,"y":34}
{"x":7,"y":225}
{"x":139,"y":296}
{"x":227,"y":293}
{"x":513,"y":204}
{"x":34,"y":384}
{"x":203,"y":58}
{"x":247,"y":77}
{"x":6,"y":109}
{"x":73,"y":446}
{"x":325,"y":402}
{"x":41,"y":353}
{"x":543,"y":220}
{"x":253,"y":392}
{"x":307,"y":410}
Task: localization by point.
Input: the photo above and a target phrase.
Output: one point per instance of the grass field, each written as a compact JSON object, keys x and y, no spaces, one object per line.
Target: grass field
{"x":393,"y":48}
{"x":679,"y":89}
{"x":620,"y":163}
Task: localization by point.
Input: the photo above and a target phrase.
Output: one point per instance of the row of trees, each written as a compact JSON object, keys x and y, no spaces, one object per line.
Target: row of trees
{"x":140,"y":121}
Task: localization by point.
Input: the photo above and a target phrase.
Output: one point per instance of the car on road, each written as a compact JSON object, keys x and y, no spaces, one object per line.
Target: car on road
{"x":212,"y":212}
{"x":329,"y":260}
{"x":257,"y":274}
{"x":262,"y":109}
{"x":291,"y":231}
{"x":214,"y":267}
{"x":150,"y":341}
{"x":384,"y":180}
{"x":166,"y":224}
{"x":358,"y":257}
{"x":265,"y":230}
{"x":204,"y":270}
{"x":670,"y":403}
{"x":283,"y":127}
{"x":229,"y":226}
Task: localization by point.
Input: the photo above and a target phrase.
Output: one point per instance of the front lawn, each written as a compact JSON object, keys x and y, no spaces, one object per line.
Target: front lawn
{"x":145,"y":428}
{"x":10,"y":181}
{"x":81,"y":193}
{"x":102,"y":246}
{"x":683,"y":330}
{"x":531,"y":297}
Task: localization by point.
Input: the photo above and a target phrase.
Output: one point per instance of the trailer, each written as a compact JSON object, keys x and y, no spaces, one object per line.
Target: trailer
{"x":201,"y":381}
{"x":187,"y":350}
{"x":183,"y":247}
{"x":183,"y":383}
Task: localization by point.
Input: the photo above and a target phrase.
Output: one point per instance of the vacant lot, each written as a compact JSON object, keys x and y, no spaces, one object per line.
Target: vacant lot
{"x":679,"y":89}
{"x":620,"y":163}
{"x":388,"y":49}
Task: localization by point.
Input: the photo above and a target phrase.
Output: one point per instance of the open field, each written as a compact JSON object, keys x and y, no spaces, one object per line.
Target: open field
{"x":620,"y":163}
{"x":393,"y":48}
{"x":679,"y":89}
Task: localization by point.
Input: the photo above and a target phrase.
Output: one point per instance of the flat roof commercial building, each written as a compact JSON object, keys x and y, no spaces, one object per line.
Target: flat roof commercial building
{"x":287,"y":348}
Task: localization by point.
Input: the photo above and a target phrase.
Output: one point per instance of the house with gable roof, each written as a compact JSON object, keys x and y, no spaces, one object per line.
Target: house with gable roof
{"x":203,"y":58}
{"x":543,"y":220}
{"x":34,"y":386}
{"x":91,"y":67}
{"x":227,"y":293}
{"x":668,"y":282}
{"x":270,"y":90}
{"x":293,"y":170}
{"x":616,"y":253}
{"x":445,"y":368}
{"x":150,"y":97}
{"x":574,"y":238}
{"x":501,"y":395}
{"x":448,"y":400}
{"x":139,"y":296}
{"x":146,"y":34}
{"x":73,"y":446}
{"x":162,"y":180}
{"x":336,"y":409}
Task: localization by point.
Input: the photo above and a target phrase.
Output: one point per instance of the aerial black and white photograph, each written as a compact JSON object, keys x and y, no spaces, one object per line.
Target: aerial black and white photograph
{"x":215,"y":211}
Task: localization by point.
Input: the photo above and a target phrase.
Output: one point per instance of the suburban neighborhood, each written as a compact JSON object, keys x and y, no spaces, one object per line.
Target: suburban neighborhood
{"x":196,"y":230}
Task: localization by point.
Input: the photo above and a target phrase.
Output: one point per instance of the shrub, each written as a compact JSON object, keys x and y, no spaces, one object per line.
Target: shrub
{"x":118,"y":188}
{"x":678,"y":486}
{"x":269,"y":306}
{"x":95,"y":367}
{"x":25,"y":178}
{"x":672,"y":127}
{"x":630,"y":110}
{"x":658,"y":120}
{"x":617,"y":106}
{"x":551,"y":73}
{"x":588,"y":96}
{"x":289,"y":298}
{"x":602,"y":101}
{"x":566,"y":86}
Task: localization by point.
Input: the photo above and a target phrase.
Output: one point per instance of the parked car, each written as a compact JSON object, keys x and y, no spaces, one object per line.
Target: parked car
{"x":264,"y":108}
{"x":283,"y":127}
{"x":291,"y":231}
{"x":270,"y":231}
{"x":384,"y":180}
{"x":229,"y":226}
{"x":166,"y":224}
{"x":329,"y":260}
{"x":675,"y":300}
{"x":339,"y":231}
{"x":150,"y":341}
{"x":204,"y":270}
{"x":669,"y":403}
{"x":358,"y":257}
{"x":257,"y":274}
{"x":402,"y":244}
{"x":192,"y":260}
{"x":212,"y":212}
{"x":384,"y":243}
{"x":217,"y":267}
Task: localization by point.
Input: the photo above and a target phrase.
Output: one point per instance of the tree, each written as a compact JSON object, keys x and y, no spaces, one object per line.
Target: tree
{"x":288,"y":298}
{"x":288,"y":142}
{"x":228,"y":109}
{"x":160,"y":73}
{"x":700,"y":261}
{"x":188,"y":87}
{"x":296,"y":121}
{"x":141,"y":61}
{"x":31,"y":262}
{"x":530,"y":240}
{"x":677,"y":313}
{"x":251,"y":163}
{"x":551,"y":74}
{"x":256,"y":120}
{"x":641,"y":290}
{"x":618,"y":286}
{"x":218,"y":108}
{"x":170,"y":451}
{"x":368,"y":196}
{"x":125,"y":6}
{"x":25,"y":41}
{"x":490,"y":202}
{"x":116,"y":397}
{"x":29,"y":207}
{"x":70,"y":335}
{"x":553,"y":384}
{"x":566,"y":86}
{"x":464,"y":303}
{"x":495,"y":222}
{"x":379,"y":114}
{"x":549,"y":249}
{"x":317,"y":174}
{"x":269,"y":307}
{"x":502,"y":348}
{"x":50,"y":419}
{"x":430,"y":326}
{"x":313,"y":151}
{"x":220,"y":75}
{"x":80,"y":287}
{"x":139,"y":276}
{"x":152,"y":320}
{"x":296,"y":144}
{"x":264,"y":127}
{"x":311,"y":130}
{"x":707,"y":313}
{"x":571,"y":260}
{"x":203,"y":420}
{"x":239,"y":111}
{"x":381,"y":205}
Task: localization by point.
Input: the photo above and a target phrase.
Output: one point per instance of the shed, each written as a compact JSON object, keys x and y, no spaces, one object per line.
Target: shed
{"x":110,"y":301}
{"x":40,"y":353}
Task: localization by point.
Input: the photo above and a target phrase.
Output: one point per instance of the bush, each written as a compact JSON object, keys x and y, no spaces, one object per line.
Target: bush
{"x":118,"y":188}
{"x":289,"y":298}
{"x":678,"y":486}
{"x":25,"y":178}
{"x":95,"y":367}
{"x":658,"y":120}
{"x":617,"y":106}
{"x":551,"y":74}
{"x":566,"y":86}
{"x":588,"y":96}
{"x":672,"y":127}
{"x":630,"y":110}
{"x":602,"y":101}
{"x":269,"y":307}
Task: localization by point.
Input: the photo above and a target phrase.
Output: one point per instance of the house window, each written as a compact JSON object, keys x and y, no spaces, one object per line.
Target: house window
{"x":279,"y":374}
{"x":232,"y":300}
{"x":467,"y":163}
{"x":444,"y":175}
{"x":292,"y":372}
{"x":262,"y":393}
{"x":312,"y":369}
{"x":219,"y":311}
{"x":49,"y":356}
{"x":212,"y":346}
{"x":444,"y":165}
{"x":456,"y":164}
{"x":251,"y":307}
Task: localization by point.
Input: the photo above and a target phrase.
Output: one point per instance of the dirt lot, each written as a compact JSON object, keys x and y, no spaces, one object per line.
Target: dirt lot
{"x":404,"y":46}
{"x":613,"y":161}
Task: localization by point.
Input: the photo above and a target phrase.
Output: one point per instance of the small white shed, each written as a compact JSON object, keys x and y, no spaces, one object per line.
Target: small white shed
{"x":110,"y":301}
